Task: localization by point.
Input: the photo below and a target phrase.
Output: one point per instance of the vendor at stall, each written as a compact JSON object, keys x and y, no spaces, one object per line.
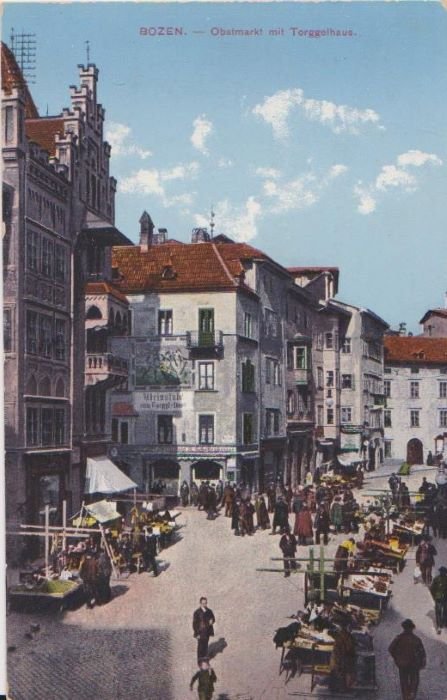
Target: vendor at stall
{"x":343,"y":660}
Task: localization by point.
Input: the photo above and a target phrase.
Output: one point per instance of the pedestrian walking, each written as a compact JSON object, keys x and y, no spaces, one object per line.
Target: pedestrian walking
{"x":206,"y":679}
{"x":149,"y":550}
{"x":336,"y":513}
{"x":288,"y":547}
{"x":227,"y":499}
{"x":194,"y":494}
{"x":263,"y":518}
{"x":425,"y":557}
{"x":235,"y":516}
{"x":438,"y":589}
{"x":89,"y":575}
{"x":280,"y":515}
{"x":202,"y":624}
{"x":184,"y":493}
{"x":409,"y":656}
{"x":321,"y":524}
{"x":303,"y":525}
{"x":104,"y":592}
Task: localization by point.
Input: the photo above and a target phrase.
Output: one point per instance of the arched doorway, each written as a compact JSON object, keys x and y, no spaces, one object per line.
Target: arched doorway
{"x":206,"y":470}
{"x":415,"y":452}
{"x":168,"y":472}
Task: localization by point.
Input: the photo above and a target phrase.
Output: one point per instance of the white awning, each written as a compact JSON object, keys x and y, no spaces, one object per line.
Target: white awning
{"x":103,"y":476}
{"x":348,"y":458}
{"x":103,"y":511}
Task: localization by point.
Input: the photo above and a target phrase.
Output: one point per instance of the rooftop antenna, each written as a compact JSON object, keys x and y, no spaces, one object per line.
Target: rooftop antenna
{"x":87,"y":48}
{"x":212,"y":224}
{"x":24,"y":47}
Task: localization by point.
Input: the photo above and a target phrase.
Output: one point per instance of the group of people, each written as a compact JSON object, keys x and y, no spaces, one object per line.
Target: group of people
{"x":95,"y":572}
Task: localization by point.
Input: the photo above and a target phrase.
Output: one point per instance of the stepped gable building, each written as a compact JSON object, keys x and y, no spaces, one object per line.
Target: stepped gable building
{"x":416,"y":397}
{"x":58,"y":229}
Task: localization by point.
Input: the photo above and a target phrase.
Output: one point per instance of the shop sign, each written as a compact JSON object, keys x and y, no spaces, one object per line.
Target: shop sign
{"x":350,"y":441}
{"x":160,"y":401}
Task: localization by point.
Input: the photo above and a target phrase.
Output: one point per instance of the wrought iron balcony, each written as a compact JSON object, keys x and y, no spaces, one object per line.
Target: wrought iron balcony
{"x":101,"y":366}
{"x":204,"y":340}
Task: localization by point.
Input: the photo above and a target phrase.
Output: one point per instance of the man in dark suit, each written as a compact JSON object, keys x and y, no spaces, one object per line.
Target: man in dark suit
{"x":202,"y":624}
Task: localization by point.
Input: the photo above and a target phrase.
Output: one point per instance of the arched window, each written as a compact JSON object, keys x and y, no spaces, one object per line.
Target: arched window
{"x":45,"y":387}
{"x":118,"y":320}
{"x":111,"y":317}
{"x":31,"y":387}
{"x":60,"y":387}
{"x":93,"y":313}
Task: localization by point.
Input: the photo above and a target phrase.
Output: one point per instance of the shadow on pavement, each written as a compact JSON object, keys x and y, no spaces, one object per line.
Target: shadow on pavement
{"x":217,"y":647}
{"x":119,"y":590}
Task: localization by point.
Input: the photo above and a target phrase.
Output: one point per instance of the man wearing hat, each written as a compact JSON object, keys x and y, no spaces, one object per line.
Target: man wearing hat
{"x":409,"y":656}
{"x":438,"y":589}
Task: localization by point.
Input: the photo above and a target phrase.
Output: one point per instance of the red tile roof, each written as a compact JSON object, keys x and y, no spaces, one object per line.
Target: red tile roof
{"x":415,"y":349}
{"x":92,"y":288}
{"x":434,"y":312}
{"x":12,"y":77}
{"x":175,"y":267}
{"x":123,"y":409}
{"x":43,"y":131}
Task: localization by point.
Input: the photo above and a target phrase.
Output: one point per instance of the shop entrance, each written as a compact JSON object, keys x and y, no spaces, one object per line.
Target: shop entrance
{"x":206,"y":471}
{"x":165,"y":475}
{"x":415,"y":452}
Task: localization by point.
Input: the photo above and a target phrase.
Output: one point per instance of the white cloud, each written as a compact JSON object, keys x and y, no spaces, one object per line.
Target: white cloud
{"x":336,"y":170}
{"x":239,"y":223}
{"x":296,"y":194}
{"x":118,"y":136}
{"x":271,"y":173}
{"x":225,"y":163}
{"x":390,"y":176}
{"x":417,"y":158}
{"x":367,"y":203}
{"x":276,"y":109}
{"x":301,"y":192}
{"x":394,"y":176}
{"x":180,"y":172}
{"x":203,"y":128}
{"x":152,"y":182}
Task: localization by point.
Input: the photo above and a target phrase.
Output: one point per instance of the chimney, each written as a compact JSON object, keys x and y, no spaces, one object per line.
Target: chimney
{"x":146,"y":232}
{"x":402,"y":328}
{"x":161,"y":236}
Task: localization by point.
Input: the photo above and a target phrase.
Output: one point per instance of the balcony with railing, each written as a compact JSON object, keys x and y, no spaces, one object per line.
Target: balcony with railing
{"x":203,"y":342}
{"x":106,"y":365}
{"x":306,"y":417}
{"x":302,"y":376}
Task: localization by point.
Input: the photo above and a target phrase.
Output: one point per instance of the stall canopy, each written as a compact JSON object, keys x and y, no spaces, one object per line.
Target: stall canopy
{"x":103,"y":511}
{"x":103,"y":476}
{"x":348,"y":459}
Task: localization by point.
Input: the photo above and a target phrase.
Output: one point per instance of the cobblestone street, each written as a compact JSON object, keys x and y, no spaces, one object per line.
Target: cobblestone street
{"x":141,"y":646}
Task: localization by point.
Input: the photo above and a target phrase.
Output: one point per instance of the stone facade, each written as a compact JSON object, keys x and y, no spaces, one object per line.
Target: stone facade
{"x":58,"y":223}
{"x":283,"y":375}
{"x":416,"y":397}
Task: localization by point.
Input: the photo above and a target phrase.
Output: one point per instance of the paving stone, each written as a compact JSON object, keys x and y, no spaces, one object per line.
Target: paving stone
{"x":141,"y":647}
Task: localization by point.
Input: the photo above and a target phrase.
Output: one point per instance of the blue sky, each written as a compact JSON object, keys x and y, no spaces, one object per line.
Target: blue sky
{"x":329,"y":150}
